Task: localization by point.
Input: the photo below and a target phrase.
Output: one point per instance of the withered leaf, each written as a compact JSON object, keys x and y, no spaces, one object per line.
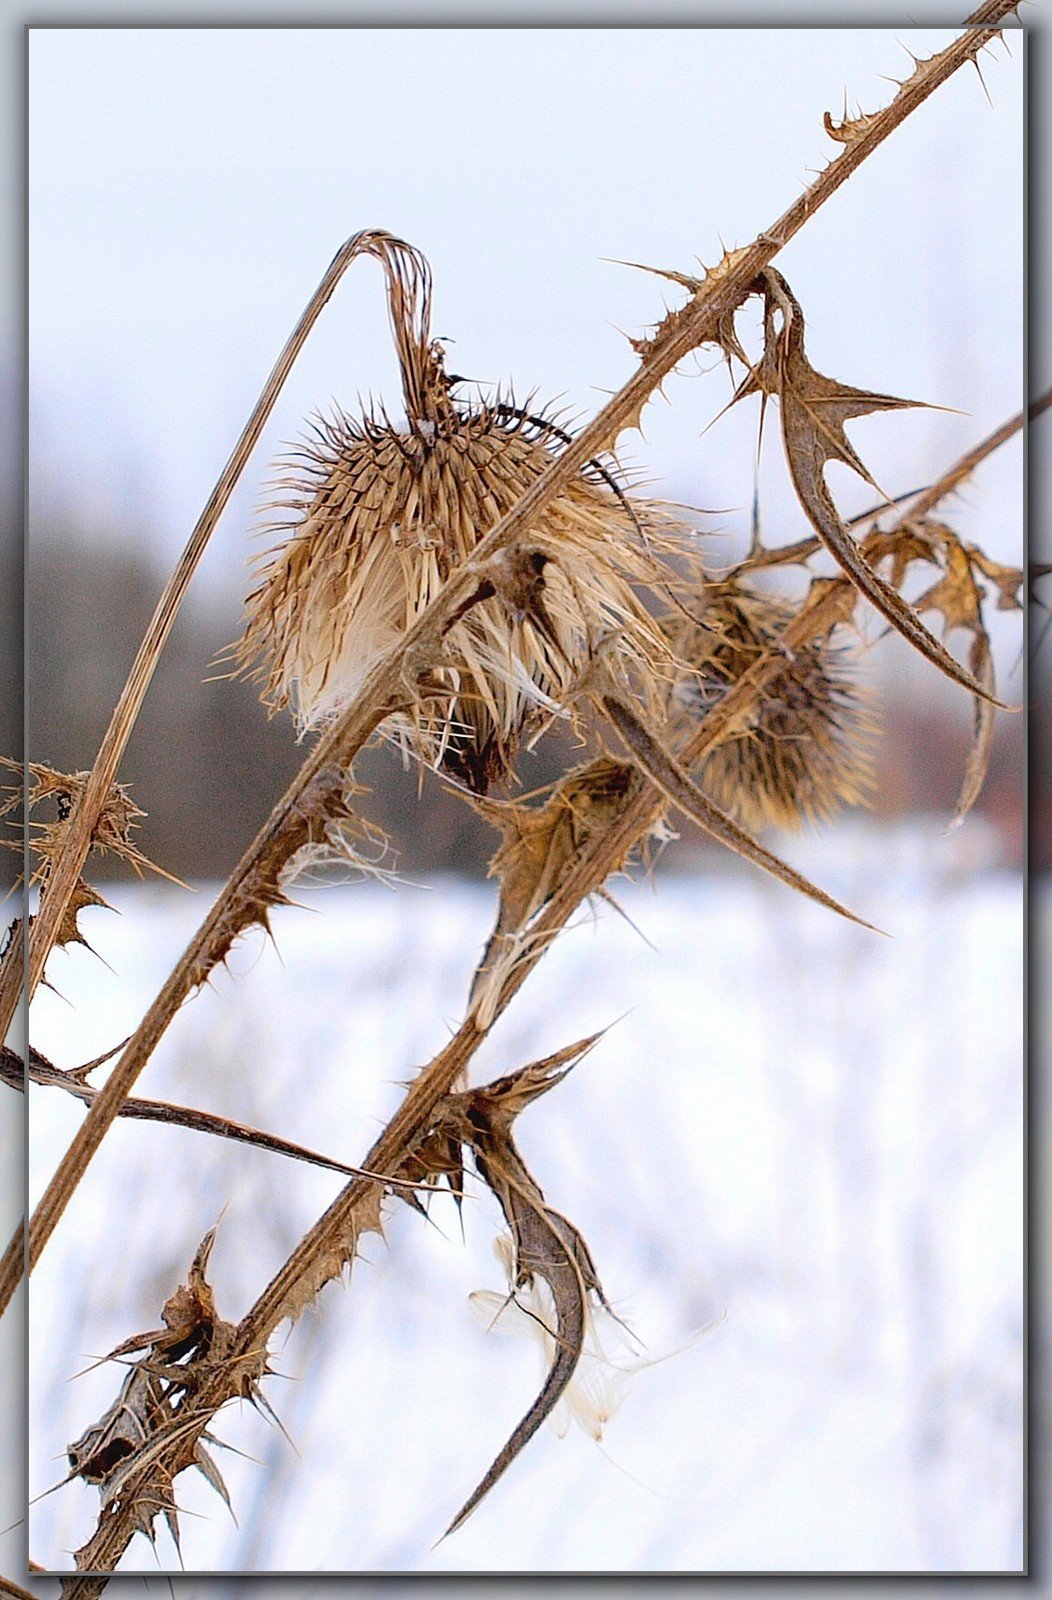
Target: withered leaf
{"x":151,"y":1432}
{"x":83,"y":895}
{"x":902,"y":546}
{"x":207,"y":1467}
{"x":959,"y":598}
{"x":547,"y":1245}
{"x":120,"y":1431}
{"x":1008,"y":581}
{"x":665,"y":772}
{"x":539,"y":842}
{"x":437,"y":1157}
{"x":518,"y":1089}
{"x":814,"y":409}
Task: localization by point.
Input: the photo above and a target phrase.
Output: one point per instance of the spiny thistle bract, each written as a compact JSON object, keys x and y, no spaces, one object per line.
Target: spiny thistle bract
{"x":808,"y":745}
{"x":378,"y":516}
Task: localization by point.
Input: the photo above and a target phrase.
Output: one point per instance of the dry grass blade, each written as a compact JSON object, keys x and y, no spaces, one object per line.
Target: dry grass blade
{"x":13,"y":1071}
{"x":665,"y":772}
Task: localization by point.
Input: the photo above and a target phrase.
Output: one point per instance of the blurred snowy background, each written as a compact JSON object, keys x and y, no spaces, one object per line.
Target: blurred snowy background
{"x":800,"y":1134}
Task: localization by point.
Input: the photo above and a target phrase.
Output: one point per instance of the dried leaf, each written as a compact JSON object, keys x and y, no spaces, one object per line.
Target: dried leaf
{"x":664,"y":771}
{"x":111,"y":833}
{"x":539,"y":844}
{"x":849,"y":129}
{"x":547,"y":1246}
{"x":1007,"y":580}
{"x":68,"y":929}
{"x":120,"y":1431}
{"x":121,"y":1452}
{"x":436,"y":1158}
{"x":975,"y":768}
{"x":204,"y":1463}
{"x":814,"y":409}
{"x":518,"y":1089}
{"x":959,"y":598}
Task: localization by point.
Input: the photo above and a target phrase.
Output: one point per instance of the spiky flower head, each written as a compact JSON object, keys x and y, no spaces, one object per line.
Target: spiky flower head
{"x":376,"y":516}
{"x":808,"y":744}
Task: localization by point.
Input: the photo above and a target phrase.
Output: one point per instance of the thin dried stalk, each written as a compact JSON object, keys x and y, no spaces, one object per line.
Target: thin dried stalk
{"x":15,"y":1072}
{"x":400,"y":671}
{"x":15,"y":1590}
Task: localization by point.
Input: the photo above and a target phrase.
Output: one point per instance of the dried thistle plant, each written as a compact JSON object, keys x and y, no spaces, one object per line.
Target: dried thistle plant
{"x":454,"y":583}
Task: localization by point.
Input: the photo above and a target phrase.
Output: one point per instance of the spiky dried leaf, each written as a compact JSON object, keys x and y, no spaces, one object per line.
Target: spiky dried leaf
{"x":958,"y":597}
{"x":436,"y":1159}
{"x":539,"y":844}
{"x":814,"y":409}
{"x":546,"y":1244}
{"x":1008,"y":581}
{"x":151,"y":1432}
{"x":111,"y":833}
{"x":849,"y":129}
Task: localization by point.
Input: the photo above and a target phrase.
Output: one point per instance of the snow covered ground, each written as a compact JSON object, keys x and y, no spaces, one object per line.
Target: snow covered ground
{"x":796,"y":1135}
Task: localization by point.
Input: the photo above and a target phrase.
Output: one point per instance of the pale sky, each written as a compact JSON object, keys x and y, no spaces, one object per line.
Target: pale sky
{"x":187,"y":188}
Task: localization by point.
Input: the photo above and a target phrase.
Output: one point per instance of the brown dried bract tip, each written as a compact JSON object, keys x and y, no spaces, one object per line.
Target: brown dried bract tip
{"x":808,"y":746}
{"x":151,"y":1433}
{"x":377,"y":516}
{"x":111,"y":834}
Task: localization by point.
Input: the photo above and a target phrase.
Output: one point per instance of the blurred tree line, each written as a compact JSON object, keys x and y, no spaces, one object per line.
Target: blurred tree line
{"x":206,"y":763}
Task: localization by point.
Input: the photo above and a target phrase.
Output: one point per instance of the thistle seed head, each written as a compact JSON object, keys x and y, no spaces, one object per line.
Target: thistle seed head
{"x":808,"y":745}
{"x":375,"y":517}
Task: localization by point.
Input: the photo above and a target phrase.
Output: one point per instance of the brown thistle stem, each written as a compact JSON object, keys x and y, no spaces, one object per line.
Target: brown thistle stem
{"x":15,"y":1590}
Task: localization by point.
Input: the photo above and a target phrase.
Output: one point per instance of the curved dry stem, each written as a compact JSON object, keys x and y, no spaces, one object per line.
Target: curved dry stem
{"x":68,"y":863}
